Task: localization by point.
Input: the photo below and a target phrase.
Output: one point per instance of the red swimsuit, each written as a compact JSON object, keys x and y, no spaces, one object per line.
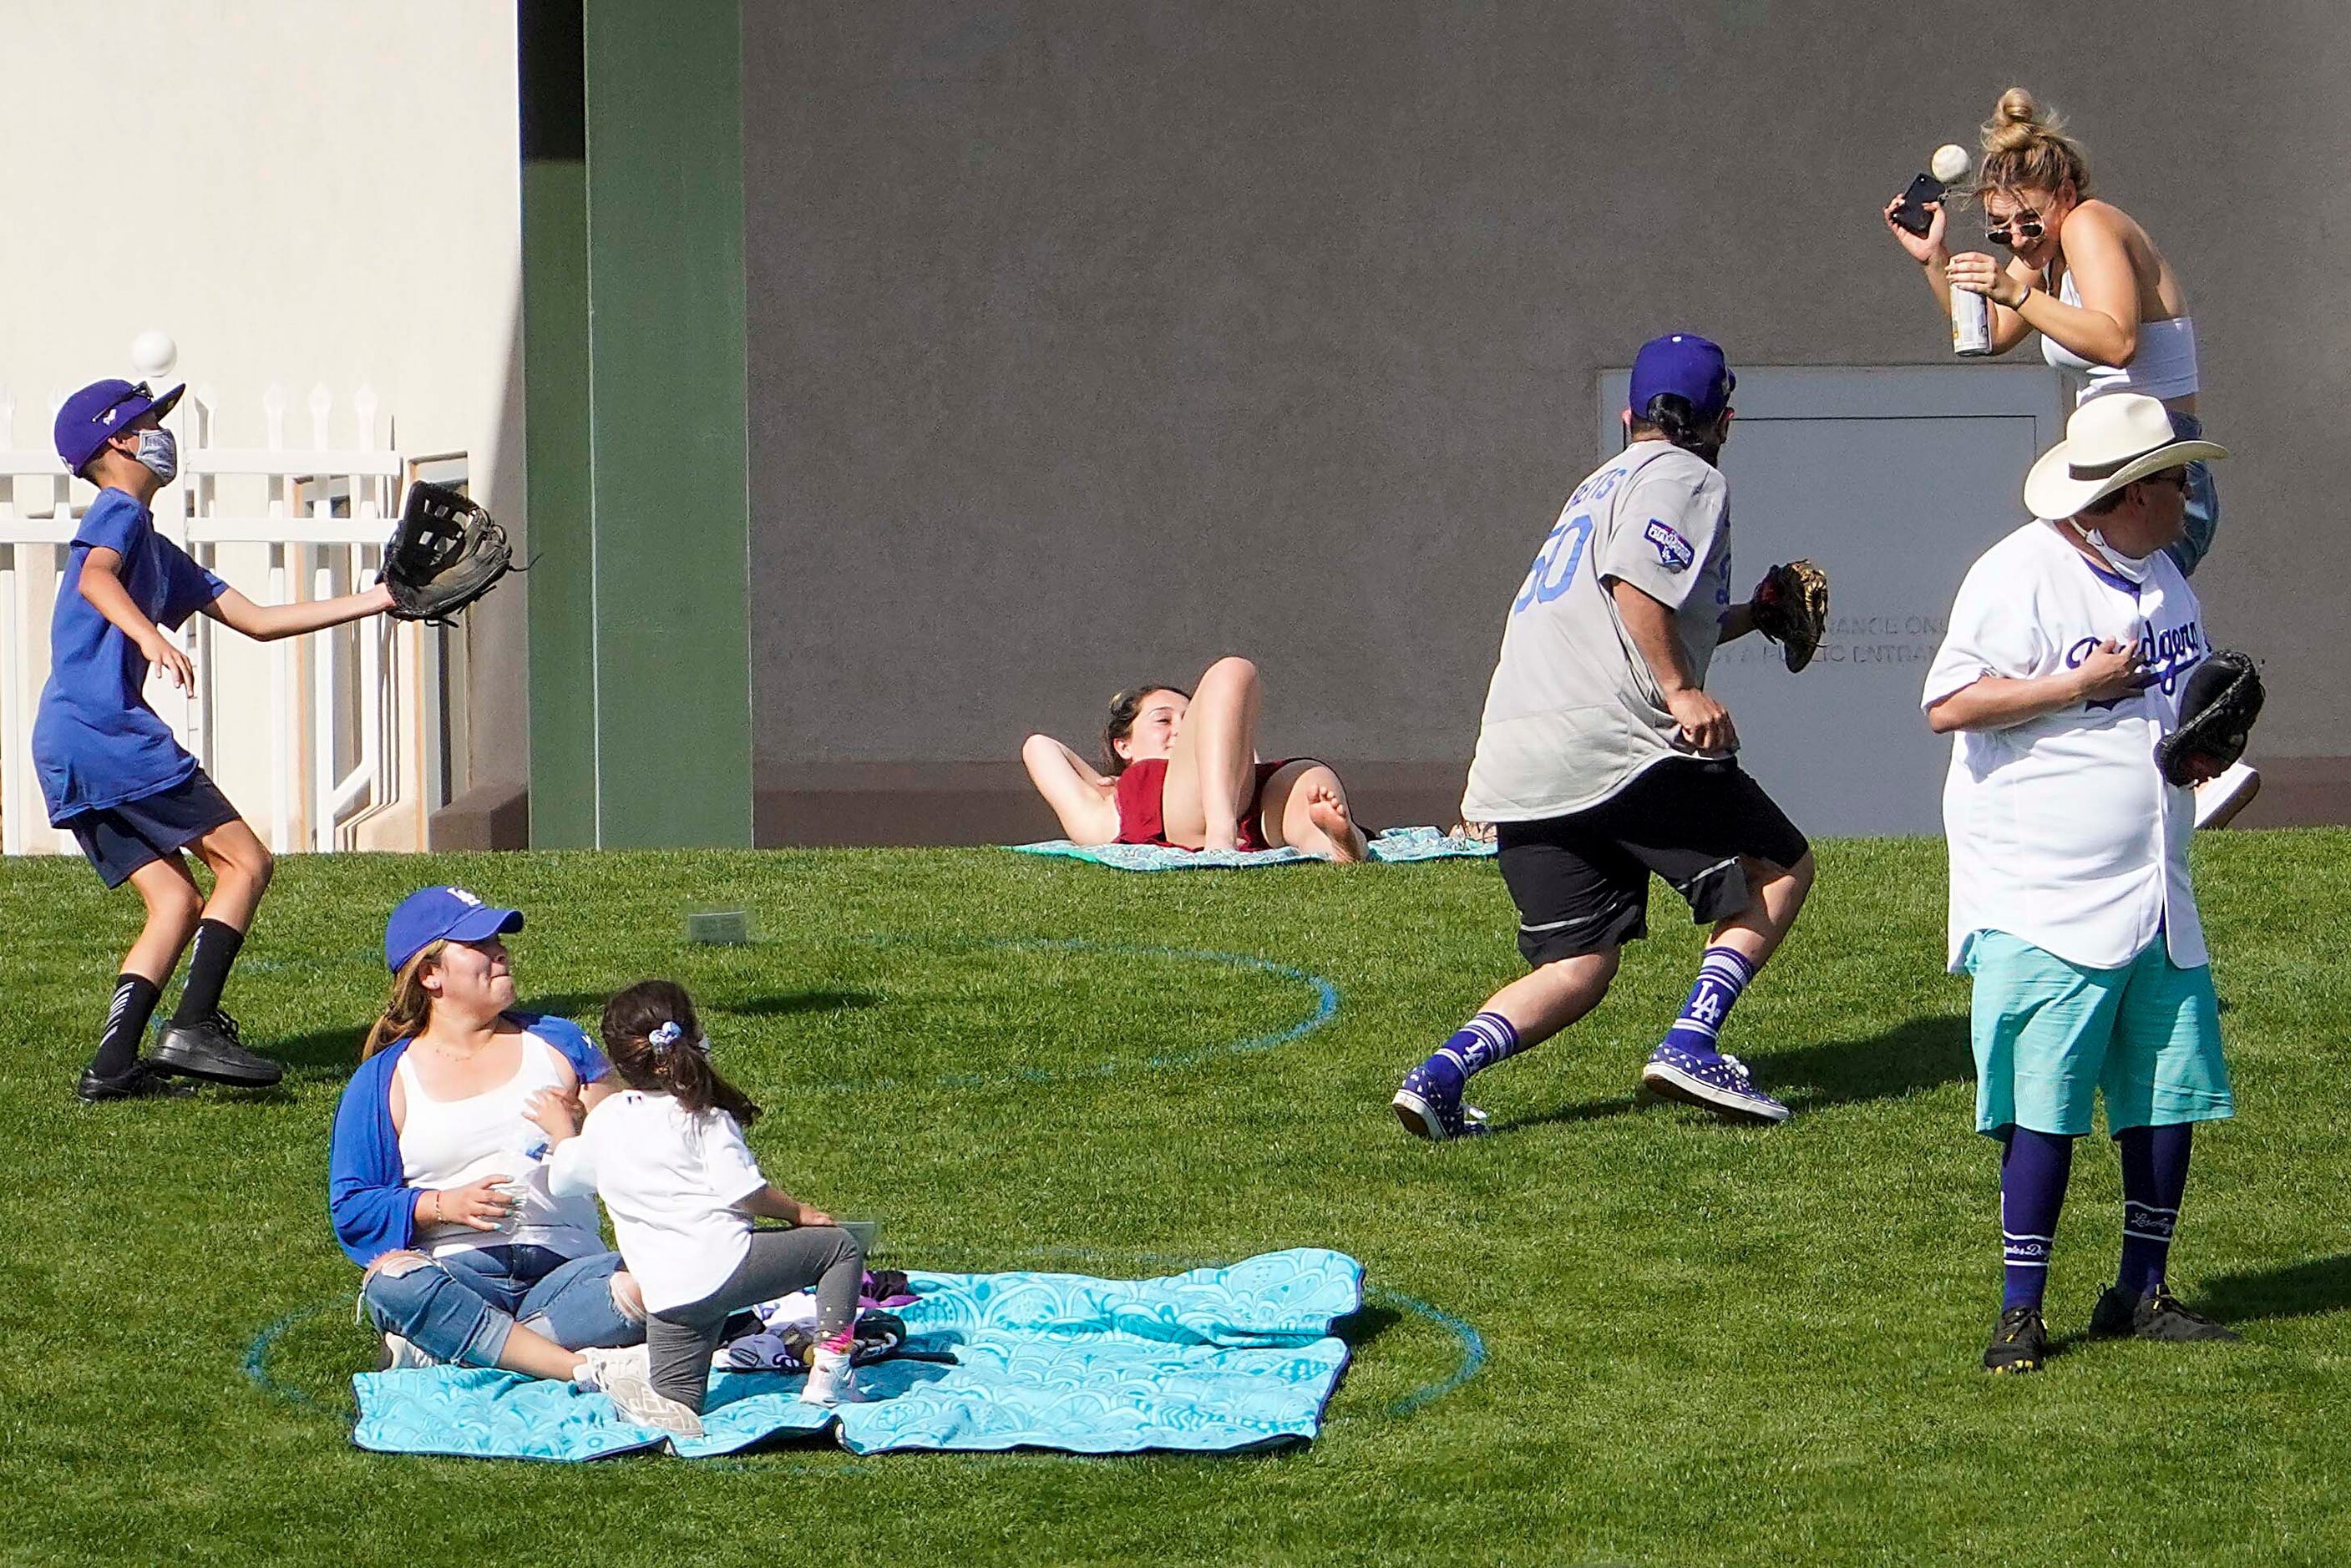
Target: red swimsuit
{"x":1140,"y":820}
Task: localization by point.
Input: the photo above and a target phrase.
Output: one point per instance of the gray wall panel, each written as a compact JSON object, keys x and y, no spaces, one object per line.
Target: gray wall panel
{"x":1089,"y":341}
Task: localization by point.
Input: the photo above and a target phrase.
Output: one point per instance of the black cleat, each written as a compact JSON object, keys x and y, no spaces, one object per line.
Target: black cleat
{"x":212,"y":1051}
{"x":2122,"y":1314}
{"x":141,"y":1081}
{"x":2019,"y":1343}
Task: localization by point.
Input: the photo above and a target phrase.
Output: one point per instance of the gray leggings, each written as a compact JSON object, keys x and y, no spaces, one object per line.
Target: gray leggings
{"x":680,"y":1339}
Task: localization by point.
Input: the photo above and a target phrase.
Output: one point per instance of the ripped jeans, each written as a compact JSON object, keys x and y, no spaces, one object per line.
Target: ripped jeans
{"x":460,"y":1307}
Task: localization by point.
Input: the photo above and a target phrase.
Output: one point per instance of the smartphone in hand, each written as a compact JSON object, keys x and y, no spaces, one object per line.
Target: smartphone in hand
{"x":1912,"y":214}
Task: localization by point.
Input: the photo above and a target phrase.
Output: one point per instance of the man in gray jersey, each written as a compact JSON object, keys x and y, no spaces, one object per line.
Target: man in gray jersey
{"x":1602,"y":760}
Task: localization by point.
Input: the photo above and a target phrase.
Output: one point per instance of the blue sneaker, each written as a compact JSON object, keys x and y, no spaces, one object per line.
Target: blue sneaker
{"x":1432,"y":1109}
{"x":1718,"y":1083}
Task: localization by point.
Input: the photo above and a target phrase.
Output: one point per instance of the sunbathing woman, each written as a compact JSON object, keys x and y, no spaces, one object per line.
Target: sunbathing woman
{"x":1182,"y":769}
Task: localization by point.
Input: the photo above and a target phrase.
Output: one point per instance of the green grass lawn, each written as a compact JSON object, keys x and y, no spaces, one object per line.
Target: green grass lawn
{"x":1701,"y":1343}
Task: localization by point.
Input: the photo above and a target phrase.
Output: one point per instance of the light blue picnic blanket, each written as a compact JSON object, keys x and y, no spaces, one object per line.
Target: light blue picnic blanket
{"x":1216,"y":1359}
{"x":1396,"y":845}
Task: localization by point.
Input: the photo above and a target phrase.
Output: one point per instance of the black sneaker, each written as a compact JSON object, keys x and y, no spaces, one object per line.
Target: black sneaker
{"x":2019,"y":1343}
{"x":2110,"y":1318}
{"x":2155,"y":1315}
{"x":212,"y":1051}
{"x":141,"y":1081}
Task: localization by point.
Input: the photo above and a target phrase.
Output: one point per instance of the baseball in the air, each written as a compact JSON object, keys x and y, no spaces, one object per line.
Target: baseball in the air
{"x":154,"y":353}
{"x":1950,"y":162}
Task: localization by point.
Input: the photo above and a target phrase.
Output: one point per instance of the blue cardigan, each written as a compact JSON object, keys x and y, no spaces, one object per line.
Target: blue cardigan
{"x":374,"y":1210}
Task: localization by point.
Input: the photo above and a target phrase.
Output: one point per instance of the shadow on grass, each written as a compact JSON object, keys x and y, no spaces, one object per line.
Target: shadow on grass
{"x":793,"y":1002}
{"x":2293,"y":1289}
{"x":1920,"y":1054}
{"x":1365,"y":1325}
{"x":336,"y":1052}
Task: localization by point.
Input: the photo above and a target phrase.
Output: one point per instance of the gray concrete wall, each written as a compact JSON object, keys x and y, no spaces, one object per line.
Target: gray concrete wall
{"x":1089,"y":342}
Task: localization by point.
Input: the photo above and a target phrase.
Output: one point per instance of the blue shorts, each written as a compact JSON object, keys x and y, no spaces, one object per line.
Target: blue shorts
{"x":121,"y":837}
{"x":2049,"y":1036}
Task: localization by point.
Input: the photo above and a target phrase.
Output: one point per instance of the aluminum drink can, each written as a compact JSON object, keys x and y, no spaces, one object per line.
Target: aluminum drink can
{"x":1970,"y":322}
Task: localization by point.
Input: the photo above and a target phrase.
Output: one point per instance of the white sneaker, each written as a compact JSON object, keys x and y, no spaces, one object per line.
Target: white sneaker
{"x":2219,"y":799}
{"x":401,"y":1355}
{"x":625,"y":1377}
{"x":832,"y":1381}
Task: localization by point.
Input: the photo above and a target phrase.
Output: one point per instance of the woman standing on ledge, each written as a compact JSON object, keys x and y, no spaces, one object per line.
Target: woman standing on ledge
{"x":1183,"y":770}
{"x":2111,"y":311}
{"x":2082,"y":273}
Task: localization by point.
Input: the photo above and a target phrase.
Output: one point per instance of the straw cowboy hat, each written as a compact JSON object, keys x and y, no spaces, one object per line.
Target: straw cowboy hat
{"x":2109,"y":442}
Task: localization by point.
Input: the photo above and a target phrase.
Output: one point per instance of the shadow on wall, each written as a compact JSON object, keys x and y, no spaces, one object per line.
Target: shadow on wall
{"x":489,"y":779}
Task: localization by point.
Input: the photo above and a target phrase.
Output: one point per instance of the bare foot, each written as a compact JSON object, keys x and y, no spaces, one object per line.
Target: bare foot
{"x":1327,"y":810}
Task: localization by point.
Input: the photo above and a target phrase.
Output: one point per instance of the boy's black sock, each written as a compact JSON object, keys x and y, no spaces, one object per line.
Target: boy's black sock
{"x":126,"y":1024}
{"x":216,"y":948}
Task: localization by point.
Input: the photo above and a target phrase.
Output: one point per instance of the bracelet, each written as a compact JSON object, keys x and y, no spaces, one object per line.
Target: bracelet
{"x":2019,"y":305}
{"x":436,"y":1206}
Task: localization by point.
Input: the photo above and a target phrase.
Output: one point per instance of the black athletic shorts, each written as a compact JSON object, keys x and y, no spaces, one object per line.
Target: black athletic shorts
{"x":121,"y":837}
{"x":1581,"y":881}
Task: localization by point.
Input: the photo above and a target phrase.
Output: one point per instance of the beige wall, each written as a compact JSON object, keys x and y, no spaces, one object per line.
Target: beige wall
{"x":297,"y":191}
{"x":1090,"y":342}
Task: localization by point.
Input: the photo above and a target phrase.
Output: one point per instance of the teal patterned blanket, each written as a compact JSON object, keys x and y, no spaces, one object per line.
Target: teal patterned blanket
{"x":1394,"y":846}
{"x":1218,"y":1359}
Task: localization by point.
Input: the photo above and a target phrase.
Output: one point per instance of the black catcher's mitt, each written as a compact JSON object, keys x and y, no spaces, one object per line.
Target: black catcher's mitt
{"x":1792,"y":609}
{"x":444,"y":554}
{"x":2217,"y":712}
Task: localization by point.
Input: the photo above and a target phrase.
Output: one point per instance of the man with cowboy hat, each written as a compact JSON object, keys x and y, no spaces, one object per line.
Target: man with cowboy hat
{"x":2068,"y":649}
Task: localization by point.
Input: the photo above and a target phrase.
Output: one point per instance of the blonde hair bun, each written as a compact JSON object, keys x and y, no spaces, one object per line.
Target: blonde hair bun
{"x":2025,"y":147}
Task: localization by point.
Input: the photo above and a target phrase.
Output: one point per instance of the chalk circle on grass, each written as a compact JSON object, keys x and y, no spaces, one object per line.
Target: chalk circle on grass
{"x":1325,"y":1008}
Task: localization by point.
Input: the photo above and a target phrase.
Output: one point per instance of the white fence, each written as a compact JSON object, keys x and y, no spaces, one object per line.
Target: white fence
{"x":340,"y":739}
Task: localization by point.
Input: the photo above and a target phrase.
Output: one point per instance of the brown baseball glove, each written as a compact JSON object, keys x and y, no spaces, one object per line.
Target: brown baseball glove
{"x":1792,"y":609}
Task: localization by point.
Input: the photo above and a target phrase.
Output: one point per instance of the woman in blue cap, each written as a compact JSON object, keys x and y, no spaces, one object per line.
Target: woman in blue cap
{"x":436,"y":1183}
{"x":114,"y":775}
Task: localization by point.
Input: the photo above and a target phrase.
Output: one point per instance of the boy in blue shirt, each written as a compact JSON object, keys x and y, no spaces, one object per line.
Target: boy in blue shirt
{"x":113,"y":774}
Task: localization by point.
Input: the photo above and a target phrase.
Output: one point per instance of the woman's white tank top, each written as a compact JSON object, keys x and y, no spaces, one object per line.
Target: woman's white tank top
{"x":2164,"y":366}
{"x":450,"y":1143}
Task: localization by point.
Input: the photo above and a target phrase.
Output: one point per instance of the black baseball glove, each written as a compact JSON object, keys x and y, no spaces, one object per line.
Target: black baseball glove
{"x":2217,"y":712}
{"x":444,"y":554}
{"x":1792,"y":608}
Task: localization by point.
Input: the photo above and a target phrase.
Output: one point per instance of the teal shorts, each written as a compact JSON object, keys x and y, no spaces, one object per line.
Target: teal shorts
{"x":2051,"y":1035}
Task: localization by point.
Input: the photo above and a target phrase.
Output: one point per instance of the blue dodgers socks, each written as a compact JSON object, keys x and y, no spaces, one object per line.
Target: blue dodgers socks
{"x":1474,"y":1047}
{"x":2032,"y":1174}
{"x":2155,"y":1178}
{"x":1722,"y":974}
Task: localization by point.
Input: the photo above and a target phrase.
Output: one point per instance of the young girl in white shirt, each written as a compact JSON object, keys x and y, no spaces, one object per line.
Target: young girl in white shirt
{"x":668,"y":1159}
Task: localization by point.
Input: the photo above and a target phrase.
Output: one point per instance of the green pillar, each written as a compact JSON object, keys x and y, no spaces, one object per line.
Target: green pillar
{"x":633,"y":344}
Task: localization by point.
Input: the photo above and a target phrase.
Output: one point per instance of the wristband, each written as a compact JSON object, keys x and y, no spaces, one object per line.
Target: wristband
{"x":2019,"y":305}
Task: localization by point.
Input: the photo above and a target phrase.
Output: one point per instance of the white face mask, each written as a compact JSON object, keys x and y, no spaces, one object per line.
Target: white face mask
{"x":2132,"y":568}
{"x":159,"y":451}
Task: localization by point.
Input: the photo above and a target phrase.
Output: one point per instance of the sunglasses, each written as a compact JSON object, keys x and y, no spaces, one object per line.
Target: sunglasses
{"x":2022,"y":227}
{"x":2175,"y":477}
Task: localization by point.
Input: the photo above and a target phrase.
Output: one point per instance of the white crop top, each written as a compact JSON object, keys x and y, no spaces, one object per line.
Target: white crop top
{"x":2164,"y":366}
{"x":451,"y":1143}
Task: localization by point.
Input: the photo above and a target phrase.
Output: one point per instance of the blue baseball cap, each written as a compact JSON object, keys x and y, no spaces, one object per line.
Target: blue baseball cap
{"x":1687,"y":366}
{"x":103,"y":409}
{"x":431,"y":915}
